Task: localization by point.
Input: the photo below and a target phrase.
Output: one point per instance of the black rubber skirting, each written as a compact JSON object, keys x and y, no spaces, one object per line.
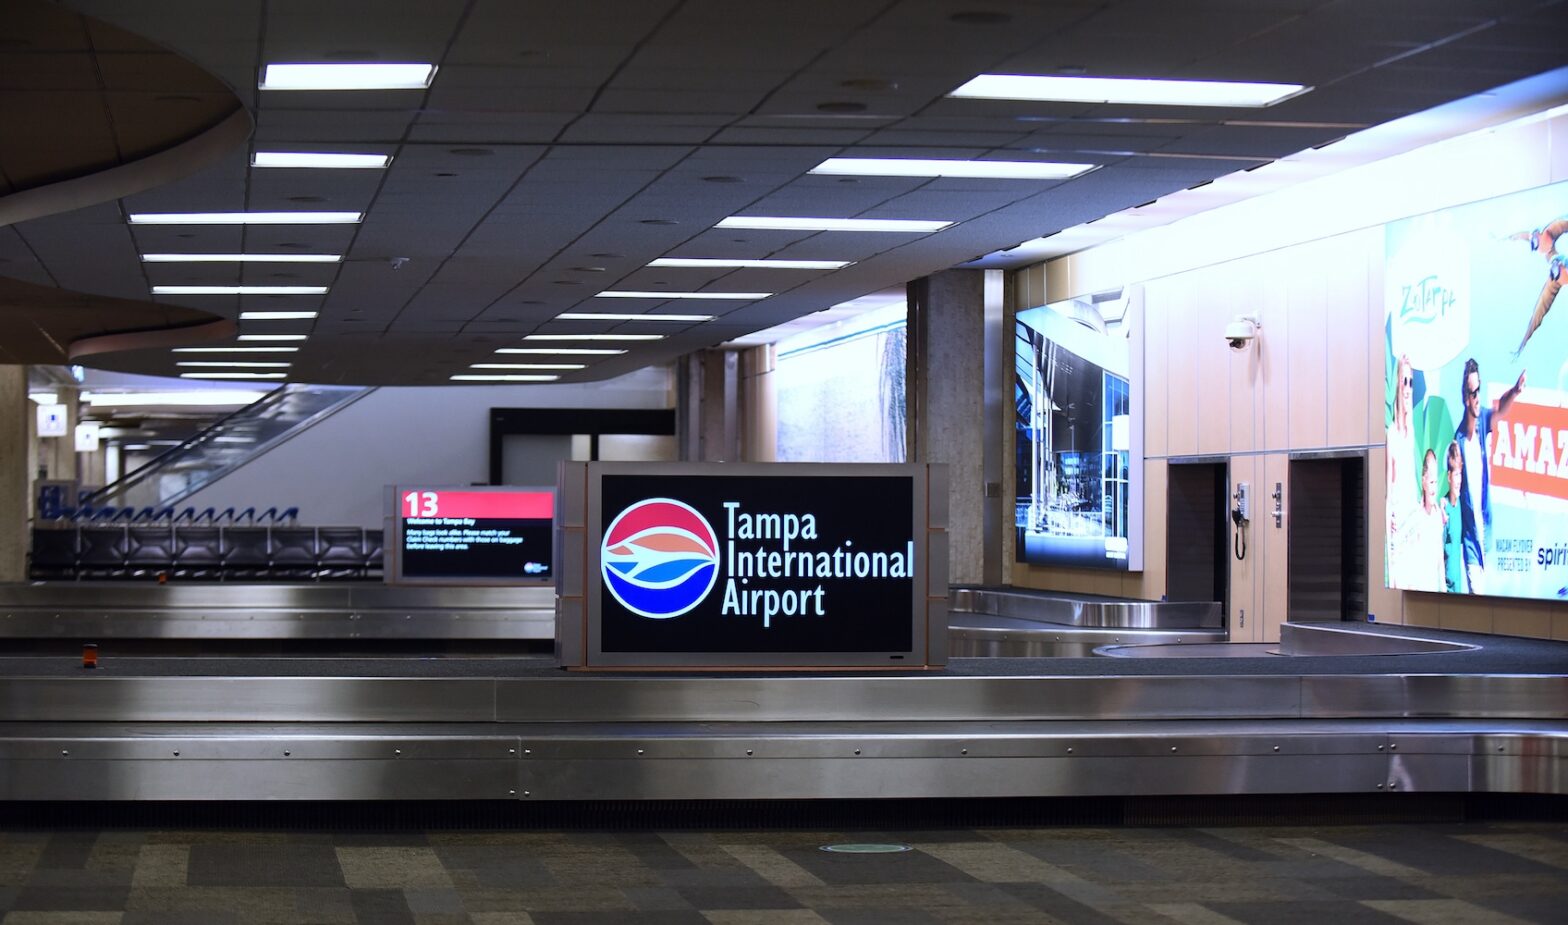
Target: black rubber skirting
{"x":835,"y":815}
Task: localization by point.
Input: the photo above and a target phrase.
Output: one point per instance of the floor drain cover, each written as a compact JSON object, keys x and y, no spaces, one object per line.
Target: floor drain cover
{"x":865,"y":849}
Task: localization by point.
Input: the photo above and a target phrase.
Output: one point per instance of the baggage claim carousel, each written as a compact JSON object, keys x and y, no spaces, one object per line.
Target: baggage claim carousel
{"x":1034,"y":703}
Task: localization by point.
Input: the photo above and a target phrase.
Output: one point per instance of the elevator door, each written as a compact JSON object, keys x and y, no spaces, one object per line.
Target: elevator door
{"x":1327,"y":560}
{"x":1197,"y":566}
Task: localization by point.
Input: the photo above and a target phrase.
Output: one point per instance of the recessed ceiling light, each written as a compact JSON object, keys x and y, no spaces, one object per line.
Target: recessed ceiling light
{"x":246,"y":218}
{"x":790,"y":223}
{"x":1130,"y":90}
{"x":236,"y":350}
{"x":761,"y":264}
{"x":561,"y":351}
{"x":242,"y":258}
{"x":194,"y":397}
{"x":45,"y":398}
{"x":320,"y":160}
{"x":526,"y":366}
{"x":617,"y":316}
{"x":649,"y":294}
{"x":276,"y":316}
{"x":233,"y":364}
{"x":347,"y":76}
{"x":239,"y":290}
{"x":927,"y":167}
{"x":593,"y":337}
{"x":504,"y":377}
{"x":272,"y":337}
{"x":233,"y":375}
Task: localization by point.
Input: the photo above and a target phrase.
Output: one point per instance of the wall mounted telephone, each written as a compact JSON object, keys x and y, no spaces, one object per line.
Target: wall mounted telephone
{"x":1240,"y":514}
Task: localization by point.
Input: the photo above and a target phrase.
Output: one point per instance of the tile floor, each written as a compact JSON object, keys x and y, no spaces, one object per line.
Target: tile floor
{"x":1427,"y":874}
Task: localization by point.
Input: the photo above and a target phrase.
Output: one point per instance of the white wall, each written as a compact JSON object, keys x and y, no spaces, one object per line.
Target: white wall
{"x":335,"y":471}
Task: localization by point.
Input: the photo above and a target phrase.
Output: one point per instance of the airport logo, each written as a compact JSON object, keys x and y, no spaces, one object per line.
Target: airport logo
{"x":659,"y":558}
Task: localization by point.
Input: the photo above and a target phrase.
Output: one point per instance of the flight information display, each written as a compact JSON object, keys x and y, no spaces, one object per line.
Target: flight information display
{"x":480,"y":536}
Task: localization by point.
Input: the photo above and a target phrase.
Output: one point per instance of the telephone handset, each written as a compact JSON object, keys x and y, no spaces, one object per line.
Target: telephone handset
{"x":1240,"y":514}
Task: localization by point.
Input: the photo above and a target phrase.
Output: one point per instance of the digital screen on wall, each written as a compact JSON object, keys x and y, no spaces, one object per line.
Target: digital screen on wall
{"x":757,"y":564}
{"x":1476,"y":398}
{"x":1078,"y":447}
{"x":474,"y":536}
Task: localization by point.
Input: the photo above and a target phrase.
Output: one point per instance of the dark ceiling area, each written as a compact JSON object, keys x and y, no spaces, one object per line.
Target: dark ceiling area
{"x":562,"y":148}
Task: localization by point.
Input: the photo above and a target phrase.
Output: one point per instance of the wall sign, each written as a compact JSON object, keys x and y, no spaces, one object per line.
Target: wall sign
{"x":750,"y":565}
{"x":471,"y":536}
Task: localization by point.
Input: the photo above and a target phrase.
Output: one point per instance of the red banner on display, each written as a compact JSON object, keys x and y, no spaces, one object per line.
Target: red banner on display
{"x":479,"y":505}
{"x":1530,"y":450}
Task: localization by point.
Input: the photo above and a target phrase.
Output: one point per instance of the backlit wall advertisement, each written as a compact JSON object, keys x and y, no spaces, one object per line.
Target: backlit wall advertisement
{"x":1476,"y":398}
{"x":1079,"y":486}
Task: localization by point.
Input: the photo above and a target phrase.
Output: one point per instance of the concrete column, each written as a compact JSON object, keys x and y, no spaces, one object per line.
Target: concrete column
{"x":15,"y":410}
{"x":759,"y":405}
{"x":709,"y":410}
{"x":954,"y":408}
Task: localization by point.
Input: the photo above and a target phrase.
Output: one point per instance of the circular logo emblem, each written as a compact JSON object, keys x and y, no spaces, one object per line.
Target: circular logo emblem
{"x":659,"y":558}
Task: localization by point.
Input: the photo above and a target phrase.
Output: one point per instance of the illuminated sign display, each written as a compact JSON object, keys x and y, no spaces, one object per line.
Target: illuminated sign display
{"x":756,"y":565}
{"x":1475,"y":405}
{"x":472,"y":535}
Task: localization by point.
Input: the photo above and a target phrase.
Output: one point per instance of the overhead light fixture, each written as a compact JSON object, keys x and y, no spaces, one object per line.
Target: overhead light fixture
{"x":593,"y":337}
{"x":239,"y":290}
{"x":195,"y":397}
{"x":272,"y":337}
{"x":245,"y":218}
{"x":347,"y":76}
{"x":562,"y":351}
{"x":768,"y":264}
{"x":929,"y":167}
{"x":618,"y":316}
{"x":234,"y":363}
{"x":236,"y":350}
{"x":320,"y":160}
{"x":242,"y":258}
{"x":781,"y":223}
{"x":713,"y":296}
{"x":233,"y":375}
{"x":45,"y":398}
{"x":276,"y":316}
{"x":503,"y":378}
{"x":526,"y":366}
{"x":1129,"y":90}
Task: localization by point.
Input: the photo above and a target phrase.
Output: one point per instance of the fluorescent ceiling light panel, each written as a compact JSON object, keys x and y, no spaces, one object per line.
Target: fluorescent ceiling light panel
{"x":618,"y":316}
{"x":276,"y":316}
{"x":926,"y":167}
{"x":594,"y":337}
{"x":768,"y":264}
{"x":272,"y":337}
{"x":194,"y":398}
{"x":504,"y":378}
{"x":716,"y":296}
{"x":347,"y":76}
{"x":562,"y":351}
{"x":232,"y":375}
{"x":239,"y":290}
{"x":234,"y":363}
{"x":45,"y":398}
{"x":781,"y":223}
{"x":236,"y":350}
{"x":242,"y":258}
{"x":526,"y":366}
{"x":1131,"y":90}
{"x":245,"y":218}
{"x":320,"y":161}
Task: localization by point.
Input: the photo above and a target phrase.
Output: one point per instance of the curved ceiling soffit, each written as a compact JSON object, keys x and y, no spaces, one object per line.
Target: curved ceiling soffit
{"x":44,"y":324}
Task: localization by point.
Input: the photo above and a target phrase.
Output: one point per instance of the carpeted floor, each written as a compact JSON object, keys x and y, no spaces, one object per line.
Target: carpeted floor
{"x":1428,"y":874}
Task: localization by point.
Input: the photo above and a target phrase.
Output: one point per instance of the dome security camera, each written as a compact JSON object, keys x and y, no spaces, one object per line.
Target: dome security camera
{"x":1242,"y":331}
